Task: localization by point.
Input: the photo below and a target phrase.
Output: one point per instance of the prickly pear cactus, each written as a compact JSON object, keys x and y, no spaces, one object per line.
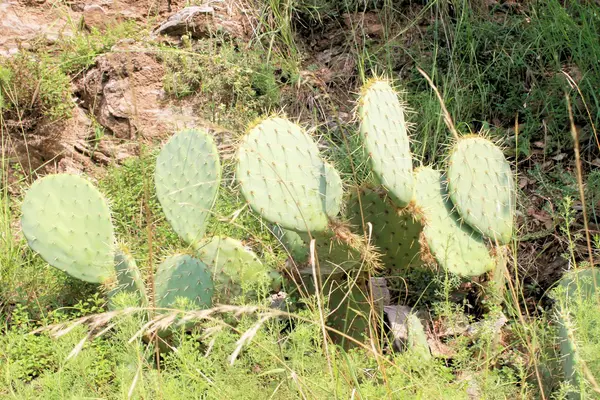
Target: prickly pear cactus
{"x":578,"y":289}
{"x":183,"y":276}
{"x":417,"y":338}
{"x":456,"y":247}
{"x":187,"y":177}
{"x":395,"y":233}
{"x":384,"y":134}
{"x":128,"y":277}
{"x":67,"y":221}
{"x":333,"y":255}
{"x":293,"y":243}
{"x":233,"y":267}
{"x":284,"y":178}
{"x":333,"y":191}
{"x":348,"y":307}
{"x":481,"y":187}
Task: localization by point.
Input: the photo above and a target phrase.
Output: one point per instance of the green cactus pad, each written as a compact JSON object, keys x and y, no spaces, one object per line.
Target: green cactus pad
{"x":233,"y":266}
{"x":187,"y":178}
{"x":579,"y":288}
{"x":395,"y":234}
{"x":293,"y":243}
{"x":481,"y":186}
{"x":284,"y":178}
{"x":457,"y":248}
{"x":128,"y":277}
{"x":417,"y":339}
{"x":183,"y":276}
{"x":383,"y":130}
{"x":333,"y":191}
{"x":349,"y":312}
{"x":333,"y":255}
{"x":67,"y":221}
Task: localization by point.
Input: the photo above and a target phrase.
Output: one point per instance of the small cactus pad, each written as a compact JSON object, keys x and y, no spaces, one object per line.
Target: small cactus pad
{"x":417,"y":338}
{"x":187,"y":177}
{"x":481,"y":186}
{"x":333,"y":255}
{"x":233,"y":266}
{"x":128,"y":277}
{"x":383,"y":130}
{"x":283,"y":177}
{"x":183,"y":276}
{"x":67,"y":221}
{"x":333,"y":191}
{"x":578,"y":296}
{"x":293,"y":243}
{"x":395,"y":234}
{"x":349,"y":312}
{"x":457,"y":248}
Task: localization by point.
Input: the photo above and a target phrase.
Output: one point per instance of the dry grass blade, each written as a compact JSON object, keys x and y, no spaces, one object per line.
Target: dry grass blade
{"x":580,"y":186}
{"x":447,"y":117}
{"x":246,"y":338}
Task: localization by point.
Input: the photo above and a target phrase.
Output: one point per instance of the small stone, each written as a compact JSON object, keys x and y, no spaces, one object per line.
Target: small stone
{"x":94,"y":16}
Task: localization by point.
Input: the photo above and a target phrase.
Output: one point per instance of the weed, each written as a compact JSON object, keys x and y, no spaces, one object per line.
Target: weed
{"x":32,"y":87}
{"x":229,"y":81}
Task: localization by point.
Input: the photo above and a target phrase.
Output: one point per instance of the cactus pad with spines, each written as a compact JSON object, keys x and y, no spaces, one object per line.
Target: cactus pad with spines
{"x":579,"y":289}
{"x":187,"y":178}
{"x":67,"y":221}
{"x":417,"y":338}
{"x":333,"y":255}
{"x":128,"y":277}
{"x":232,"y":266}
{"x":349,"y":311}
{"x":383,"y":131}
{"x":181,"y":275}
{"x":481,"y":187}
{"x":456,"y":247}
{"x":284,"y":178}
{"x":333,"y":191}
{"x":293,"y":244}
{"x":395,"y":233}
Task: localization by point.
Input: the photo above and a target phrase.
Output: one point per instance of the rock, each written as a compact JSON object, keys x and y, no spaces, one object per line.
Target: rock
{"x":397,"y":317}
{"x":94,"y":16}
{"x":204,"y":21}
{"x":20,"y":24}
{"x":277,"y":301}
{"x":368,"y":23}
{"x":123,"y":91}
{"x":381,"y":293}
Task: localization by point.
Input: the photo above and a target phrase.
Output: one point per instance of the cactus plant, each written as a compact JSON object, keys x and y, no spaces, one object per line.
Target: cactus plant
{"x":481,"y":186}
{"x":333,"y":255}
{"x":184,"y":276}
{"x":128,"y":277}
{"x":578,"y":287}
{"x":283,"y":177}
{"x":396,"y":233}
{"x":67,"y":221}
{"x":417,"y":339}
{"x":456,"y":247}
{"x":233,"y":266}
{"x":384,"y":134}
{"x":187,"y":177}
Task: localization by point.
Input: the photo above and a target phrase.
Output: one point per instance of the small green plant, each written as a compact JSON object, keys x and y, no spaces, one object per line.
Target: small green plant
{"x":230,"y":80}
{"x":32,"y":86}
